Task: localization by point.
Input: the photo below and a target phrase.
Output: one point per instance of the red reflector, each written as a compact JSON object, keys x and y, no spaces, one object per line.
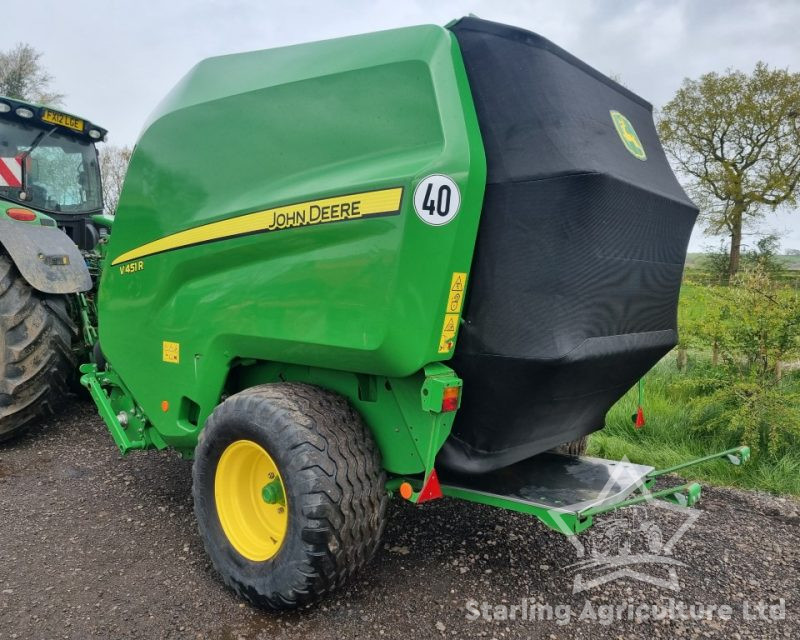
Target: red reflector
{"x":23,"y":215}
{"x":640,"y":421}
{"x":450,"y":398}
{"x":431,"y":490}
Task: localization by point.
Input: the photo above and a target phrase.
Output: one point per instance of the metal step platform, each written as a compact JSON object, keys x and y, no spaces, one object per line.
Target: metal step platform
{"x":566,"y":492}
{"x":553,"y":481}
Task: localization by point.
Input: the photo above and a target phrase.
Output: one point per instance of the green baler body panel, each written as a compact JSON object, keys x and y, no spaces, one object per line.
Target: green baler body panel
{"x":251,"y":132}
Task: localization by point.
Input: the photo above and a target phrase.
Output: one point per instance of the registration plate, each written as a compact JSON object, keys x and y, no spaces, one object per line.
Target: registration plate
{"x":62,"y":119}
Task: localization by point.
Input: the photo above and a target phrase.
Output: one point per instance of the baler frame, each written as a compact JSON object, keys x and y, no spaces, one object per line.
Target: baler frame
{"x":414,"y":405}
{"x":291,"y":325}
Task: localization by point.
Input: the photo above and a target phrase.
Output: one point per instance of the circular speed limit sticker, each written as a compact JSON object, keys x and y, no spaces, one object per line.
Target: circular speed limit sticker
{"x":437,"y":199}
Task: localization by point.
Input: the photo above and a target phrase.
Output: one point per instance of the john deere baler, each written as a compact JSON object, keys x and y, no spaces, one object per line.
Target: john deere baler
{"x":407,"y":262}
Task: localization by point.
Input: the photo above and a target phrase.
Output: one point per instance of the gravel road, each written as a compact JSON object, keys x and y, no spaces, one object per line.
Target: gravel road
{"x":96,"y":546}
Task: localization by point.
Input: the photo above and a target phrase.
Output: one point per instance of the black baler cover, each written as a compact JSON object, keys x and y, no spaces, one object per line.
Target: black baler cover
{"x":574,"y":285}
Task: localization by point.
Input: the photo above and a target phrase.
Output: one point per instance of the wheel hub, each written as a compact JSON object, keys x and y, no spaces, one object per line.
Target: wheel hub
{"x":250,"y":500}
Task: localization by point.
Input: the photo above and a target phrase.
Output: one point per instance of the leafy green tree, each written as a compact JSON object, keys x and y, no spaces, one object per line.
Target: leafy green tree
{"x":716,"y":261}
{"x":23,"y":77}
{"x":736,"y":137}
{"x":753,"y":327}
{"x":763,"y":254}
{"x":763,"y":323}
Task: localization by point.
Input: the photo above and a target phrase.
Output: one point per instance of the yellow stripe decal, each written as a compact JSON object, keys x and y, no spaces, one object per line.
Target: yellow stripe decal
{"x":291,"y":216}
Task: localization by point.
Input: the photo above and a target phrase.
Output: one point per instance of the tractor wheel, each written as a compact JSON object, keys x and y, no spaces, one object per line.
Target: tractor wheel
{"x":36,"y":358}
{"x":289,"y":493}
{"x":574,"y":448}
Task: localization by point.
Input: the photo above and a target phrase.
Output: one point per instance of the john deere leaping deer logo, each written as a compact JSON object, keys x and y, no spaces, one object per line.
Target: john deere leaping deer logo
{"x":628,"y":135}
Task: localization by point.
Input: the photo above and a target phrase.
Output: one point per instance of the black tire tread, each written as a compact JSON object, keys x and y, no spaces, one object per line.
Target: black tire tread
{"x":343,"y":509}
{"x":574,"y":448}
{"x":36,"y":357}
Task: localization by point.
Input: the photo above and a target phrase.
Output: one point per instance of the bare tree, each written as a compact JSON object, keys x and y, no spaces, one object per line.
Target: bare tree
{"x":23,"y":77}
{"x":113,"y":166}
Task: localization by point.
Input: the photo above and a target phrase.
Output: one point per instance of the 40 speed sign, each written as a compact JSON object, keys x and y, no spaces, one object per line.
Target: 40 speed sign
{"x":437,"y":199}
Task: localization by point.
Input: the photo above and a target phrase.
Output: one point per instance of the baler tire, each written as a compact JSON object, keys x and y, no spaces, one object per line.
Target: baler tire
{"x":36,"y":357}
{"x":334,"y":486}
{"x":574,"y":448}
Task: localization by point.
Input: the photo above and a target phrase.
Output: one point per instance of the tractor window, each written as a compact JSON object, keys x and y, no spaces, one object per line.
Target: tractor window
{"x":61,"y":173}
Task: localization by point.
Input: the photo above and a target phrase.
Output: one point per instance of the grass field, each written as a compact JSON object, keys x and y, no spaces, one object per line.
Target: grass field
{"x":668,"y":437}
{"x":697,"y":270}
{"x":791,"y":263}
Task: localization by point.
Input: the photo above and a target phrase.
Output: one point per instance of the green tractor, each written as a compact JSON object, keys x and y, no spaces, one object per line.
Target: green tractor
{"x":410,"y":263}
{"x":52,"y":231}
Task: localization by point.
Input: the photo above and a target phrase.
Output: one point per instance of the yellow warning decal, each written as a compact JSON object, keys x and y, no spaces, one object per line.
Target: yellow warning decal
{"x":455,"y":301}
{"x":456,"y":297}
{"x":448,"y":332}
{"x":353,"y":206}
{"x":171,"y":352}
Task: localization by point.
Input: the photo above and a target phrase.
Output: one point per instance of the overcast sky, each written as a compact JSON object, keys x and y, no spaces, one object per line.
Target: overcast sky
{"x":115,"y":59}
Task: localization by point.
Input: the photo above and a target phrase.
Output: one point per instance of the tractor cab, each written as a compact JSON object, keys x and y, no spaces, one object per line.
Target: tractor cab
{"x":49,"y":165}
{"x":52,"y":238}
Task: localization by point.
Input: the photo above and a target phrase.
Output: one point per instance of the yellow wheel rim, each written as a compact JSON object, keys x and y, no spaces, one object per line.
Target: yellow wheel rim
{"x":250,"y":500}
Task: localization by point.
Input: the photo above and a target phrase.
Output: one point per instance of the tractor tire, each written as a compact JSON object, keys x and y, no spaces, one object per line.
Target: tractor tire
{"x":574,"y":448}
{"x":36,"y":357}
{"x":305,"y":445}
